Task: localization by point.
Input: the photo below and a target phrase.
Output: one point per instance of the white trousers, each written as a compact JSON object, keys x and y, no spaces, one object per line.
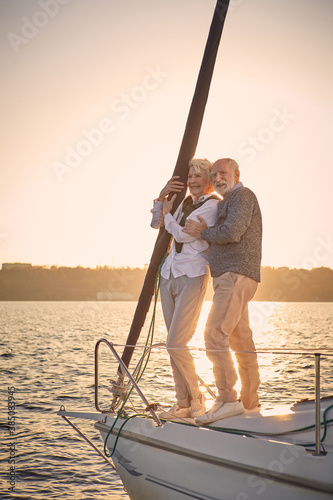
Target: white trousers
{"x":182,"y":300}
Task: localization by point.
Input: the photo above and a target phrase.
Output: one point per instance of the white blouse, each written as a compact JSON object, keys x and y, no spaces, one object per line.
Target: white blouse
{"x":192,"y":261}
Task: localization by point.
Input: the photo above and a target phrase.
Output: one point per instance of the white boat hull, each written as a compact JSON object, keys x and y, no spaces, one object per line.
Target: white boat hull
{"x":178,"y":462}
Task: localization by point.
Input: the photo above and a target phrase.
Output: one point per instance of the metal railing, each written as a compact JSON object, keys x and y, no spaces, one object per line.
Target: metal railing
{"x":132,"y":381}
{"x":317,"y":402}
{"x":129,"y":375}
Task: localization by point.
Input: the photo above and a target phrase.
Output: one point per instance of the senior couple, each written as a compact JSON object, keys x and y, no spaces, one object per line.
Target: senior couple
{"x":223,"y":237}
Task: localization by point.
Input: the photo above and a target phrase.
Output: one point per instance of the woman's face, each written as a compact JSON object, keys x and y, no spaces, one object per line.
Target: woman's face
{"x":197,"y":183}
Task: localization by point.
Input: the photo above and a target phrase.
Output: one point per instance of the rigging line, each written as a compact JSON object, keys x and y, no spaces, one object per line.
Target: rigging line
{"x":105,"y":457}
{"x":140,"y":370}
{"x":152,"y":325}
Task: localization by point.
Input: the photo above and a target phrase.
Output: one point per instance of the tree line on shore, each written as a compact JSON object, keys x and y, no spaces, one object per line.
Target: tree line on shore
{"x":40,"y":283}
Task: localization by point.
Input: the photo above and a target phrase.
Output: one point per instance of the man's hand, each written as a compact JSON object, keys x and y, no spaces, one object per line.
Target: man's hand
{"x":168,"y":204}
{"x":172,"y":186}
{"x":194,"y":228}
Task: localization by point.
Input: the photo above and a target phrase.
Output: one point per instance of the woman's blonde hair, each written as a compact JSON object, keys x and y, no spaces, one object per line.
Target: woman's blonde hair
{"x":202,"y":164}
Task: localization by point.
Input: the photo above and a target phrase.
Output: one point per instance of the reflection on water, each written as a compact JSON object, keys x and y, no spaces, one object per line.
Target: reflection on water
{"x":291,"y":328}
{"x":47,"y":351}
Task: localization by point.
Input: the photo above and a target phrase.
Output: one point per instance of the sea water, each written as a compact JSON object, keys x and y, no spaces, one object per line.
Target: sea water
{"x":47,"y":360}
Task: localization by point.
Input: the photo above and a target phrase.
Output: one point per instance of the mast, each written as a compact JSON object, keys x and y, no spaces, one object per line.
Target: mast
{"x":186,"y":153}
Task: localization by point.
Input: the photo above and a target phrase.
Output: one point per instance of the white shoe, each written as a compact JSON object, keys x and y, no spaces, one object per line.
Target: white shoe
{"x":198,"y":406}
{"x":176,"y":412}
{"x":221,"y":410}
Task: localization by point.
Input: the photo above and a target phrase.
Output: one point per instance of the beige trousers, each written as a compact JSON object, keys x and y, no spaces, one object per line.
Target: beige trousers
{"x":228,"y":325}
{"x":182,"y":300}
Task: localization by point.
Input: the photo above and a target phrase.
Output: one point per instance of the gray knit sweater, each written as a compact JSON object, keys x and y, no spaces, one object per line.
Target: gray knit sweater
{"x":235,"y":240}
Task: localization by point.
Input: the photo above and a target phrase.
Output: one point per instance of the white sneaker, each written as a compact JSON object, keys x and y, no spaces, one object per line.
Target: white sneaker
{"x":176,"y":412}
{"x":221,"y":410}
{"x":198,"y":406}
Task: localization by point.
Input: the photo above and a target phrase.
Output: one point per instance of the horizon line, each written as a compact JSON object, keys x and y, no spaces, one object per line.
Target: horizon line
{"x":145,"y":266}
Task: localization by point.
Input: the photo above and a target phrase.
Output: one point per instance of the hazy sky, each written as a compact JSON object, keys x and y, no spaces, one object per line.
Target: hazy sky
{"x":95,"y":96}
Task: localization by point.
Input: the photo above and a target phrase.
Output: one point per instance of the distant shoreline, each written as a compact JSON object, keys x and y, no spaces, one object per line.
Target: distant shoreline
{"x":27,"y":283}
{"x":206,"y":300}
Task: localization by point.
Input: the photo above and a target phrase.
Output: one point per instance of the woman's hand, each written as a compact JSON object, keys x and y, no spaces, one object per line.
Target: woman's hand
{"x":172,"y":186}
{"x":168,"y":204}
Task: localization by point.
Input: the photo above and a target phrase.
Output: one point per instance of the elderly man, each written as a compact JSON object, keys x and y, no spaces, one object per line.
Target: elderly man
{"x":234,"y":260}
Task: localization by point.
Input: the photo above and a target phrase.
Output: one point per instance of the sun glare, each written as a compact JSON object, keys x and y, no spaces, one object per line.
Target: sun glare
{"x":267,"y":320}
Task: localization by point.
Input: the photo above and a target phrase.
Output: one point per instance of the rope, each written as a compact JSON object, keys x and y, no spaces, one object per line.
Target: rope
{"x":142,"y":365}
{"x":247,"y":433}
{"x":118,"y":434}
{"x":325,"y":427}
{"x":253,"y":434}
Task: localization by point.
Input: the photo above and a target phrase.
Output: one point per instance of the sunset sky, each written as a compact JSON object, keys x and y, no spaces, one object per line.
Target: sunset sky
{"x":94,"y":101}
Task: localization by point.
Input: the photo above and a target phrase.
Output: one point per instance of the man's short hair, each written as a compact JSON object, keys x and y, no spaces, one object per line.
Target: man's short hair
{"x":232,"y":163}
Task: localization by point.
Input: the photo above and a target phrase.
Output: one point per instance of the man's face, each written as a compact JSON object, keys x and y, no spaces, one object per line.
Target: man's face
{"x":224,"y":177}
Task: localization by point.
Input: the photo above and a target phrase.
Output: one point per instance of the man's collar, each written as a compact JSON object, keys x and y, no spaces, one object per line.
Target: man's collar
{"x":236,"y":186}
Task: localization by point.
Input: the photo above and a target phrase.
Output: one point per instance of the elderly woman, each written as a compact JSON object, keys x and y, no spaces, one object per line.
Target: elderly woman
{"x":184,"y":278}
